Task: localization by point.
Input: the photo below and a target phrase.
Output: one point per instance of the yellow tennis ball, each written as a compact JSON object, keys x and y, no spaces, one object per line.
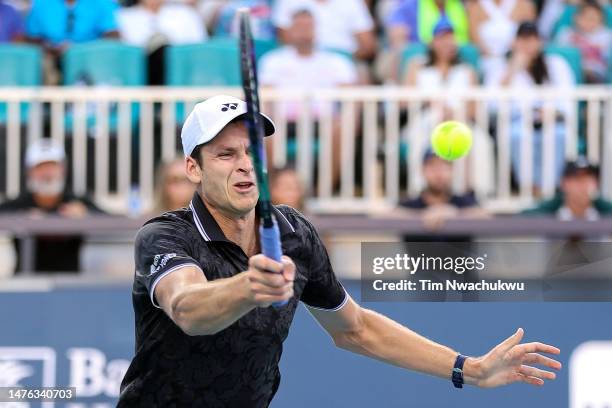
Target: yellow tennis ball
{"x":451,"y":140}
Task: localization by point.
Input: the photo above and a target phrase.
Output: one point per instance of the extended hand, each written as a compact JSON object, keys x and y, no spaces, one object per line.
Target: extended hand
{"x":268,"y":281}
{"x":510,"y":362}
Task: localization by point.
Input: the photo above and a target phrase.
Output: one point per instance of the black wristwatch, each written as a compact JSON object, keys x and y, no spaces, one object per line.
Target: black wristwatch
{"x":457,"y":375}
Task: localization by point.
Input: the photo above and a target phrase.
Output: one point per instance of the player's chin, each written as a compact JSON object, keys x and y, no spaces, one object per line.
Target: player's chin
{"x":245,"y":202}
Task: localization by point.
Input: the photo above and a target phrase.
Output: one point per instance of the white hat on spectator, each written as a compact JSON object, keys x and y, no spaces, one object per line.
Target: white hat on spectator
{"x":43,"y":151}
{"x":208,"y":118}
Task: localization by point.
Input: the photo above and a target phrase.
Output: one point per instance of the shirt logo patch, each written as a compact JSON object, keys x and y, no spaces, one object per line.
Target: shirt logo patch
{"x":159,"y":261}
{"x":226,"y":106}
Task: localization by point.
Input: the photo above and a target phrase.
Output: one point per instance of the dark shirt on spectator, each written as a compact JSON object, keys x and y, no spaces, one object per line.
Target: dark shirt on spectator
{"x":54,"y":253}
{"x":552,"y":206}
{"x":418,"y":203}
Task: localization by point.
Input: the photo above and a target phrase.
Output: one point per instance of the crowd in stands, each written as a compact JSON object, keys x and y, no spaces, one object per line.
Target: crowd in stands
{"x":361,"y":30}
{"x":429,"y":44}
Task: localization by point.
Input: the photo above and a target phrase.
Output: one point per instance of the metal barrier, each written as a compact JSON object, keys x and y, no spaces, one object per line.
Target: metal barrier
{"x":379,"y":156}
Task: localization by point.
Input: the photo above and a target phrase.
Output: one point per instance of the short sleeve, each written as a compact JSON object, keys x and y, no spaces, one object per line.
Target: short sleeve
{"x":323,"y":290}
{"x":33,"y":26}
{"x":404,"y":14}
{"x":159,"y":250}
{"x":362,"y":18}
{"x":267,"y":71}
{"x":16,"y":24}
{"x":108,"y":19}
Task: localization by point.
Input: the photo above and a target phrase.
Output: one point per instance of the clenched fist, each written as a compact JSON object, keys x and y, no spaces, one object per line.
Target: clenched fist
{"x":268,"y":281}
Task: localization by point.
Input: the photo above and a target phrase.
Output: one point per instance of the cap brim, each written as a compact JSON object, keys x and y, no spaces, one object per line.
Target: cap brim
{"x":269,"y":127}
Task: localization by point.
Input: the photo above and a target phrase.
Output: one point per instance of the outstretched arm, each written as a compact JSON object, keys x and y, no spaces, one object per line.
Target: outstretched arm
{"x":369,"y":333}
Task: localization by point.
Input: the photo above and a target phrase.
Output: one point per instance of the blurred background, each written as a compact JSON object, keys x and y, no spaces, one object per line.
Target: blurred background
{"x":92,"y":98}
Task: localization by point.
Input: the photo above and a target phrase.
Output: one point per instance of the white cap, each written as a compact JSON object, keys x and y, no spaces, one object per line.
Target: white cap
{"x":208,"y":118}
{"x":42,"y":151}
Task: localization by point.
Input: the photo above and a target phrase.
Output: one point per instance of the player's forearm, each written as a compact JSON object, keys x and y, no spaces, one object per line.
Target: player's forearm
{"x":210,"y":307}
{"x":383,"y":339}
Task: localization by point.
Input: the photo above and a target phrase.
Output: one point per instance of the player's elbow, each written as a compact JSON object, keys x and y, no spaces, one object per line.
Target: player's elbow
{"x":352,"y":338}
{"x":184,"y":315}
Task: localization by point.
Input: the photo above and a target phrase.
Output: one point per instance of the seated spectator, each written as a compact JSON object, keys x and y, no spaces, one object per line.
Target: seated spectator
{"x":593,"y":38}
{"x":526,"y":67}
{"x":226,"y":23}
{"x":413,"y":21}
{"x":493,"y":25}
{"x":437,"y":203}
{"x":11,"y":23}
{"x":442,"y":69}
{"x":154,"y":24}
{"x":46,"y":194}
{"x":287,"y":188}
{"x":579,"y":196}
{"x":55,"y":24}
{"x":300,"y":64}
{"x":174,"y":190}
{"x":343,"y":25}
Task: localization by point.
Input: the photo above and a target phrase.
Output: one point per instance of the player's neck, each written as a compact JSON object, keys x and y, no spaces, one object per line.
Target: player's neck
{"x":238,"y":229}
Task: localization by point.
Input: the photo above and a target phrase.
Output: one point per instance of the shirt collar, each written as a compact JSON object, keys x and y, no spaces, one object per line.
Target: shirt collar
{"x":210,"y":230}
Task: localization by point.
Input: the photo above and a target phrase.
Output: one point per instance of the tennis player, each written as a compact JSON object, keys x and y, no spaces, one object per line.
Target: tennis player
{"x":206,"y":333}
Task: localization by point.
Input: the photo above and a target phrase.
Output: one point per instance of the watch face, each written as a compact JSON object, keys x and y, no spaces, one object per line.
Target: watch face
{"x":457,"y":370}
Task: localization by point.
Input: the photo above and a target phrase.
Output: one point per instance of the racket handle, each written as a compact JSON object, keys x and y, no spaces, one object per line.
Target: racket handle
{"x":271,"y":247}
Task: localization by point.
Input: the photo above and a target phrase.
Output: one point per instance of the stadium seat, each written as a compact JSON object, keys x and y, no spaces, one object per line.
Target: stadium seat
{"x":213,"y":63}
{"x":571,"y":55}
{"x":102,"y":63}
{"x":468,"y":53}
{"x":21,"y":66}
{"x":84,"y":60}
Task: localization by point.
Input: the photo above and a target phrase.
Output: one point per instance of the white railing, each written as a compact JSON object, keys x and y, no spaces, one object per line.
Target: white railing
{"x":365,"y":120}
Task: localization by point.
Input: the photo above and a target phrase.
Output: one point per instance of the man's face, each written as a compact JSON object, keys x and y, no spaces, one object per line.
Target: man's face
{"x":580,"y":187}
{"x":438,"y":174}
{"x":227,"y":177}
{"x":302,"y":31}
{"x":47,"y":179}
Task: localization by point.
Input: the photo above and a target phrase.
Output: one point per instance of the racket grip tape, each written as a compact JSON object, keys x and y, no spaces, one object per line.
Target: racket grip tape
{"x":271,"y":247}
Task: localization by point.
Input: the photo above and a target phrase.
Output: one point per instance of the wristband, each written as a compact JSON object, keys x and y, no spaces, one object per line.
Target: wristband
{"x":457,"y":373}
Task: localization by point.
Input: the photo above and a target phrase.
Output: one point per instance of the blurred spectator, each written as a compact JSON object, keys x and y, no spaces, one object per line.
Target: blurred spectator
{"x":579,"y":196}
{"x":593,"y":38}
{"x":436,"y":204}
{"x":414,"y":21}
{"x":46,"y":194}
{"x":151,"y":22}
{"x":11,"y":23}
{"x":562,"y":15}
{"x":261,"y":19}
{"x":342,"y":25}
{"x":55,"y":24}
{"x":493,"y":25}
{"x":527,"y":66}
{"x":174,"y":190}
{"x":300,"y":65}
{"x":442,"y":69}
{"x":287,"y":188}
{"x":154,"y":24}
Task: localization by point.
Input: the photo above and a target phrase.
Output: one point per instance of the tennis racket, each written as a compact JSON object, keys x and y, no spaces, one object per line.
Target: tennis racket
{"x":268,"y":228}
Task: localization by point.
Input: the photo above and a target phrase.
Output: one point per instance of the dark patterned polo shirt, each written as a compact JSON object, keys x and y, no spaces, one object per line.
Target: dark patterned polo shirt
{"x":238,"y":366}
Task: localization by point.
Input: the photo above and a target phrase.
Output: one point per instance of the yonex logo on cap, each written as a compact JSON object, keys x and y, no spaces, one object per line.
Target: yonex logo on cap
{"x":227,"y":106}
